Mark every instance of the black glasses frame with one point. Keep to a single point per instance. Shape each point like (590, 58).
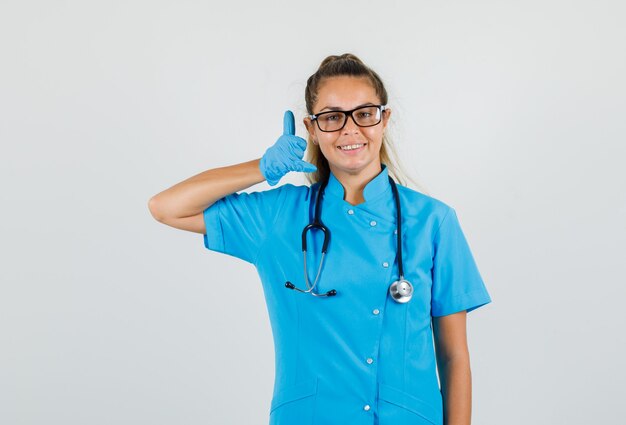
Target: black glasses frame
(347, 114)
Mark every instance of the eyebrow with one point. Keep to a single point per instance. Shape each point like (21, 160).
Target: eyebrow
(336, 108)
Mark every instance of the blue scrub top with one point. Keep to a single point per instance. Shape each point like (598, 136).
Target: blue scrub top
(358, 357)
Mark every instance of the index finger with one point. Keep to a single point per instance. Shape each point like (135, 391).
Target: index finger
(289, 125)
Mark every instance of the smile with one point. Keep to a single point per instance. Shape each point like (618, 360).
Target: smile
(351, 147)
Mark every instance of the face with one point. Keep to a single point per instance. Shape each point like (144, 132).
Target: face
(346, 93)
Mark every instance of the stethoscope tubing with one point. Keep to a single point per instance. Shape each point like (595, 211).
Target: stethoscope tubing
(400, 290)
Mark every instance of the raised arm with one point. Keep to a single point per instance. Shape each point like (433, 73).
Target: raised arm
(183, 204)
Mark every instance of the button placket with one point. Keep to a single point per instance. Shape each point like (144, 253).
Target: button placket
(371, 359)
(378, 227)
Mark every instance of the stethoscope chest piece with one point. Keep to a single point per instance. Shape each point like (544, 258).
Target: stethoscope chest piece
(401, 291)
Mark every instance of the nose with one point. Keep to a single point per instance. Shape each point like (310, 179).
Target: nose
(350, 125)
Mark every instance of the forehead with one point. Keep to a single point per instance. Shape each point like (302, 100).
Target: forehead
(345, 92)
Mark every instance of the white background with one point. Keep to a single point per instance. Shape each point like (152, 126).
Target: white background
(510, 112)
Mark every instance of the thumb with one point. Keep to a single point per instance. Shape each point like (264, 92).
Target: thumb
(289, 125)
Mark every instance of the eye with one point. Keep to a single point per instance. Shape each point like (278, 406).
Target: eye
(330, 117)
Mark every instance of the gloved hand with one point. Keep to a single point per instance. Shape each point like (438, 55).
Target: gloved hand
(286, 154)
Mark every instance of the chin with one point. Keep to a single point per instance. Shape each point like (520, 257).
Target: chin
(352, 167)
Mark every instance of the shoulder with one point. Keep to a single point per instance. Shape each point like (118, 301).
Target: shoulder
(424, 212)
(418, 204)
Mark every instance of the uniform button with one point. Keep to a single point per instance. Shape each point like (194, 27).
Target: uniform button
(395, 232)
(376, 311)
(366, 407)
(385, 264)
(372, 223)
(350, 212)
(370, 360)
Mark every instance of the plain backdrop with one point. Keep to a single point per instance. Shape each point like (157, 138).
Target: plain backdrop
(512, 112)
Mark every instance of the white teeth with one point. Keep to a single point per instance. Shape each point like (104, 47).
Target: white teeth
(350, 147)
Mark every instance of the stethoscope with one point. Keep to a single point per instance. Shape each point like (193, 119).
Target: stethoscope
(401, 290)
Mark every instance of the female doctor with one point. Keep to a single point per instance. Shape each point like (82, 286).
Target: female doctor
(354, 295)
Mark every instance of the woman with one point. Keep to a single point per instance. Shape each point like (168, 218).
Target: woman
(361, 350)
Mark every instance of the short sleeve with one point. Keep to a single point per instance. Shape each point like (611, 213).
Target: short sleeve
(457, 284)
(239, 223)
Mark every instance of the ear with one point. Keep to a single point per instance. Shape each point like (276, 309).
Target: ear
(386, 116)
(309, 126)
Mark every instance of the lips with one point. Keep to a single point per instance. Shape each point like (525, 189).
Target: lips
(353, 146)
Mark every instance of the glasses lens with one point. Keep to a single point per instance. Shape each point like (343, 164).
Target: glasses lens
(331, 121)
(367, 116)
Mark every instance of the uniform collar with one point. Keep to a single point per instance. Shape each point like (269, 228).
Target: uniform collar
(376, 187)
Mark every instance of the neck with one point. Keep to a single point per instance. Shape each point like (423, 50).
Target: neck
(353, 184)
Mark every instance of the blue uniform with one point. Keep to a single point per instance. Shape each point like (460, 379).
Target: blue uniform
(358, 357)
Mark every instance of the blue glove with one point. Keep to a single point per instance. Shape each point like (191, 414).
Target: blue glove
(286, 154)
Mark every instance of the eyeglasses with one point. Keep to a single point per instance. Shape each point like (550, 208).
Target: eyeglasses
(365, 116)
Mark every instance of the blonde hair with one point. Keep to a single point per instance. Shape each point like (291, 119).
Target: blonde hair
(350, 65)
